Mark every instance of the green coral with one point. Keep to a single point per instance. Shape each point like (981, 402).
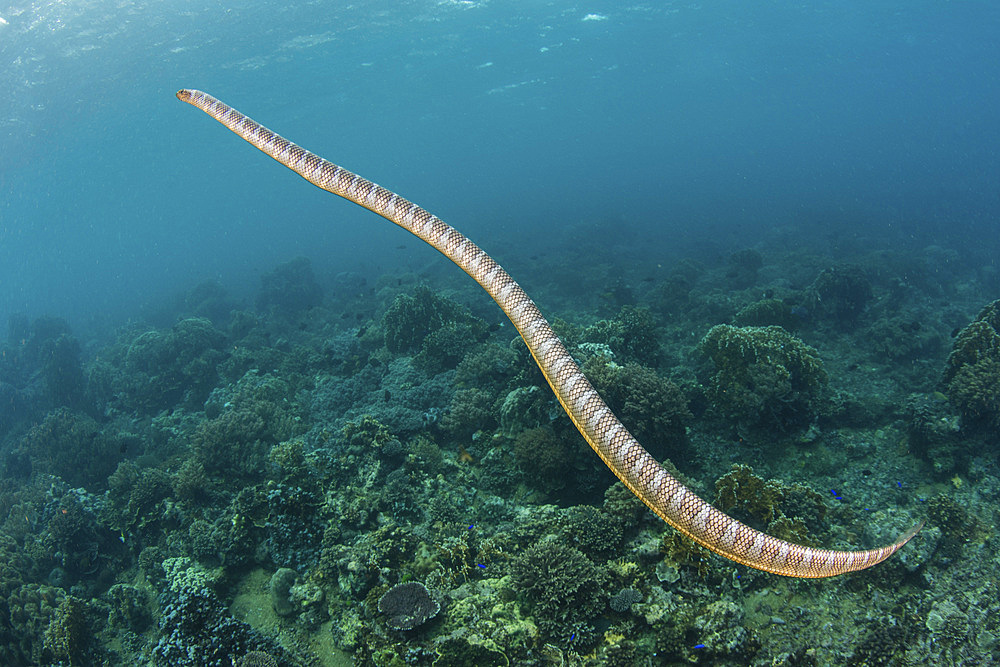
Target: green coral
(766, 312)
(66, 635)
(972, 373)
(564, 590)
(764, 377)
(135, 496)
(957, 524)
(786, 511)
(841, 293)
(631, 335)
(184, 575)
(258, 416)
(543, 458)
(31, 610)
(436, 327)
(129, 608)
(471, 411)
(654, 409)
(368, 434)
(71, 445)
(160, 370)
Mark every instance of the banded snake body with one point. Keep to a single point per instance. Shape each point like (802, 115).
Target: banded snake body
(630, 462)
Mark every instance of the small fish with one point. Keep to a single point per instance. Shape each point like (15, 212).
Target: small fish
(3, 21)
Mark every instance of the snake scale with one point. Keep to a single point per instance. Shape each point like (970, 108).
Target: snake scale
(634, 466)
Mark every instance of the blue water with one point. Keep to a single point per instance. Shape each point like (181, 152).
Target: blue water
(684, 123)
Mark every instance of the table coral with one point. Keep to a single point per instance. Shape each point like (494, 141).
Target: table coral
(407, 606)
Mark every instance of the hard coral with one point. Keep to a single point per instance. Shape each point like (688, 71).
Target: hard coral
(72, 446)
(841, 292)
(197, 631)
(542, 456)
(66, 635)
(653, 408)
(441, 329)
(764, 377)
(767, 312)
(408, 605)
(258, 416)
(291, 287)
(564, 590)
(972, 374)
(624, 599)
(787, 511)
(631, 335)
(160, 370)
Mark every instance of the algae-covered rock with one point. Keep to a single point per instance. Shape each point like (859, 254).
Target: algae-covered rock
(280, 589)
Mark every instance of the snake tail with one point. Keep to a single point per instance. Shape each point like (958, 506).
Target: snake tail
(627, 459)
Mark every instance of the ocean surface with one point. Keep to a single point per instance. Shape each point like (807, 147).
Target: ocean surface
(232, 404)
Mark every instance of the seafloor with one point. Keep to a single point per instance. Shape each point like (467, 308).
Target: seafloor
(231, 482)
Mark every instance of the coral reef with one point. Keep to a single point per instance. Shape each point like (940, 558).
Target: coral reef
(565, 591)
(440, 330)
(972, 373)
(213, 493)
(407, 606)
(654, 409)
(156, 370)
(767, 312)
(841, 293)
(289, 288)
(71, 445)
(763, 377)
(631, 336)
(788, 511)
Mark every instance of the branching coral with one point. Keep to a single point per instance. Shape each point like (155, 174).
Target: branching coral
(787, 511)
(258, 416)
(179, 365)
(71, 445)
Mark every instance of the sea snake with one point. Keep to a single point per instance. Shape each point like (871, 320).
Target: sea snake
(634, 466)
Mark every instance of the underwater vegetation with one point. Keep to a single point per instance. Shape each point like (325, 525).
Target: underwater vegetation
(270, 483)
